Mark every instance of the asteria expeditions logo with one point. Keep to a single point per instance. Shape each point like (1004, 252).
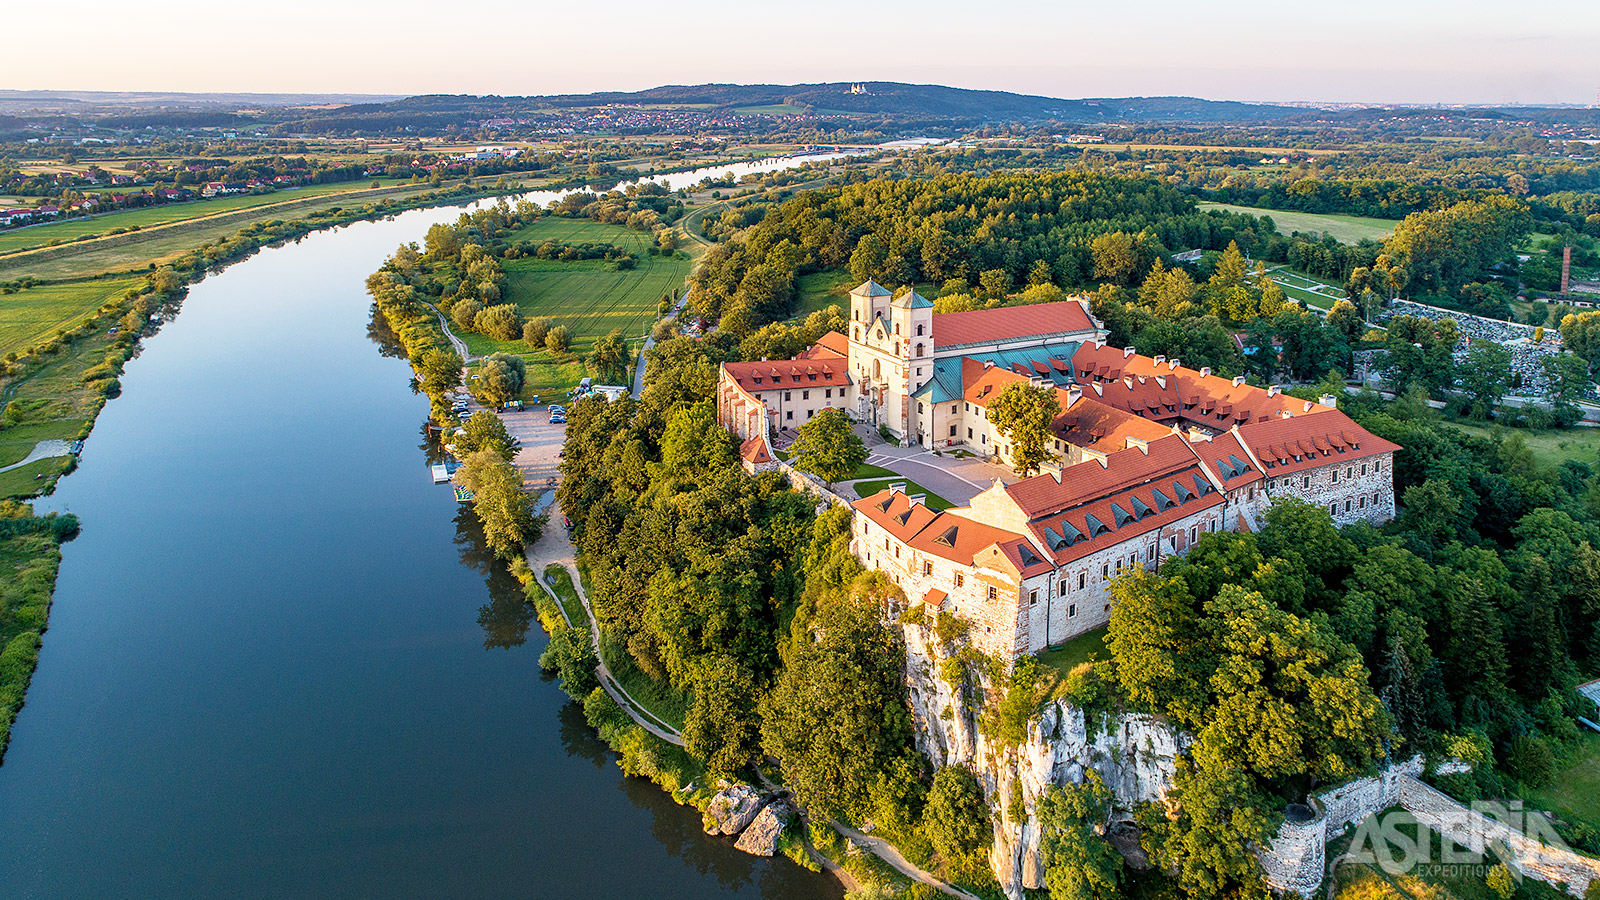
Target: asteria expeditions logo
(1471, 842)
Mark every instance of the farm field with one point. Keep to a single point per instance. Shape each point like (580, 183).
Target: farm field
(138, 249)
(590, 296)
(1348, 229)
(145, 217)
(32, 315)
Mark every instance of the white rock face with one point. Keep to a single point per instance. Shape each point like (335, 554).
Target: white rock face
(1133, 754)
(761, 838)
(733, 808)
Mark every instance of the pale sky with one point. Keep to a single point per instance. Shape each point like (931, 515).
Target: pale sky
(1380, 51)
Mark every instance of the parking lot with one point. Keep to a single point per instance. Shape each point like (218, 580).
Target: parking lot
(538, 459)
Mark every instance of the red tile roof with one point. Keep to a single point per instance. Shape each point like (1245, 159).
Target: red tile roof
(754, 451)
(942, 534)
(1008, 323)
(833, 342)
(1317, 439)
(788, 374)
(1099, 426)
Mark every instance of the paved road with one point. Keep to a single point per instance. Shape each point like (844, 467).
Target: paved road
(954, 478)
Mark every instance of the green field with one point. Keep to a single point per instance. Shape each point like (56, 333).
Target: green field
(1065, 658)
(1575, 792)
(591, 297)
(1348, 229)
(136, 250)
(1550, 446)
(820, 290)
(148, 216)
(30, 316)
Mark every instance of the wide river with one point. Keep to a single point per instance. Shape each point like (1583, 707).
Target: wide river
(280, 663)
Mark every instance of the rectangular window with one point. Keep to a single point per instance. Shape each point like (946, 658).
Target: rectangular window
(810, 413)
(1347, 506)
(1363, 501)
(1306, 482)
(960, 579)
(927, 568)
(1333, 508)
(983, 439)
(1194, 533)
(1063, 587)
(1072, 610)
(1349, 472)
(789, 415)
(953, 409)
(1105, 572)
(786, 396)
(1119, 567)
(1081, 579)
(827, 393)
(952, 431)
(993, 594)
(969, 434)
(1150, 552)
(1334, 476)
(897, 552)
(1033, 597)
(805, 395)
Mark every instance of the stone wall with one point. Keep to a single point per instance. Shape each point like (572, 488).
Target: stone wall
(1296, 861)
(1550, 864)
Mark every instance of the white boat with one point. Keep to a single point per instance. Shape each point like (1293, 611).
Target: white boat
(441, 473)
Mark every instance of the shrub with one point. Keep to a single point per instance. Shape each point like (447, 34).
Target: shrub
(559, 340)
(502, 322)
(466, 313)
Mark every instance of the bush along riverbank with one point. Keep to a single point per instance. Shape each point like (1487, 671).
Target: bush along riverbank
(30, 557)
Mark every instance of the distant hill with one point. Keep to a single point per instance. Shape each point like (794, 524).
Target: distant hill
(879, 99)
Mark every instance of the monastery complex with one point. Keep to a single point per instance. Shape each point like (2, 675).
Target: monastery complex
(1149, 455)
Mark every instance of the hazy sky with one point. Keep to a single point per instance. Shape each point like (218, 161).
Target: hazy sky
(1536, 51)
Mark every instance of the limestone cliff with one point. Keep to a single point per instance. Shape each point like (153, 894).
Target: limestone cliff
(1133, 754)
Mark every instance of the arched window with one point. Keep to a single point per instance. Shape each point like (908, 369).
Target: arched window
(897, 328)
(919, 329)
(857, 332)
(919, 349)
(857, 314)
(877, 370)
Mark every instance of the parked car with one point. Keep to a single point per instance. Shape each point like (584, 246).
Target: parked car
(558, 419)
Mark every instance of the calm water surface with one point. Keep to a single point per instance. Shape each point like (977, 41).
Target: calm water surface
(280, 663)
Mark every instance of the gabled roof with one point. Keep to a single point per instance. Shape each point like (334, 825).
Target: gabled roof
(1043, 495)
(1009, 323)
(822, 371)
(834, 342)
(942, 534)
(1310, 441)
(754, 451)
(1099, 426)
(981, 384)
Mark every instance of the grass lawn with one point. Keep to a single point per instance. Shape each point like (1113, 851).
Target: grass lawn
(148, 216)
(820, 290)
(934, 501)
(1348, 229)
(1550, 446)
(1575, 792)
(1302, 287)
(867, 470)
(1066, 657)
(33, 478)
(30, 316)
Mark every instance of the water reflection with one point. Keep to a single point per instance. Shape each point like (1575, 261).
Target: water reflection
(381, 333)
(505, 619)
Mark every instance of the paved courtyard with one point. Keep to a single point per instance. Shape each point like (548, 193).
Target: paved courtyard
(954, 478)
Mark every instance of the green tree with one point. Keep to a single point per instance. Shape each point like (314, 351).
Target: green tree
(838, 713)
(1116, 257)
(1485, 376)
(994, 282)
(465, 314)
(501, 322)
(484, 431)
(609, 355)
(721, 727)
(1023, 413)
(1078, 863)
(534, 331)
(558, 340)
(956, 819)
(1580, 333)
(571, 656)
(508, 521)
(828, 447)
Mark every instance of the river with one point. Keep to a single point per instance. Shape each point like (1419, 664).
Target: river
(280, 662)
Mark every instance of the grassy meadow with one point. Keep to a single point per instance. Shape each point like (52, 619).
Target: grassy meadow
(591, 297)
(30, 316)
(1550, 446)
(1348, 229)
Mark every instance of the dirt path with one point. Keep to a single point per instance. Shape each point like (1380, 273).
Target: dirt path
(554, 548)
(887, 852)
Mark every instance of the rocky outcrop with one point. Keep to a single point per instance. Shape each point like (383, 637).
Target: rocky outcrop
(761, 838)
(1133, 754)
(733, 808)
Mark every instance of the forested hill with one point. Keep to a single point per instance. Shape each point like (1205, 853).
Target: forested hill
(879, 99)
